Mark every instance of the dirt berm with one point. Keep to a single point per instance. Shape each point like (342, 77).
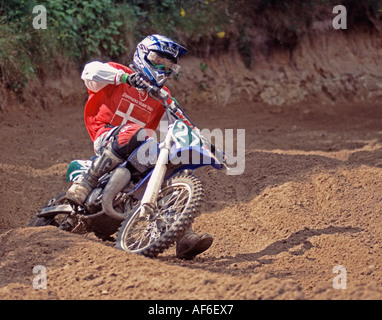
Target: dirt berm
(307, 203)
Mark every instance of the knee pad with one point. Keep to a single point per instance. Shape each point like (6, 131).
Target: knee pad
(127, 138)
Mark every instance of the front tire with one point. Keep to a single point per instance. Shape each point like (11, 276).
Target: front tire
(177, 205)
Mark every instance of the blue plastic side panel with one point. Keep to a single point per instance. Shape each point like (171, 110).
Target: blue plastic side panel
(194, 157)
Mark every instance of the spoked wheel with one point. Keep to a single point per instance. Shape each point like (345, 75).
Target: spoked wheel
(177, 205)
(63, 221)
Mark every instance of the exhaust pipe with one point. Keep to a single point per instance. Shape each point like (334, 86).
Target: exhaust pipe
(120, 178)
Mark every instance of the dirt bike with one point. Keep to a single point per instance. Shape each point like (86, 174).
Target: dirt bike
(151, 199)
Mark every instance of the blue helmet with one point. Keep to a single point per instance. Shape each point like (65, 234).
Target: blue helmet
(156, 58)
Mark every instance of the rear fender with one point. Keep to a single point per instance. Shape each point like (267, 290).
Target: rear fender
(50, 212)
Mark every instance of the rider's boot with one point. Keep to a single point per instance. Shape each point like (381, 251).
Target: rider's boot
(79, 191)
(192, 244)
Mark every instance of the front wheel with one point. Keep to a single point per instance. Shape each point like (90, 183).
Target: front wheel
(177, 205)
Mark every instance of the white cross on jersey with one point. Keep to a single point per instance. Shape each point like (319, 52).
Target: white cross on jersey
(126, 116)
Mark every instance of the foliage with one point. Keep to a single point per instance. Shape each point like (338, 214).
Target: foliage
(86, 28)
(90, 29)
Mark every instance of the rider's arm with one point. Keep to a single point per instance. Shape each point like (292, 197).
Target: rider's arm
(98, 75)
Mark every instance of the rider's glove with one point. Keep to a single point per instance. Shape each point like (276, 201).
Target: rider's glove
(134, 80)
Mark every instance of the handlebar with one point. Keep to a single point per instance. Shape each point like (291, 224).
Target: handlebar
(159, 92)
(164, 95)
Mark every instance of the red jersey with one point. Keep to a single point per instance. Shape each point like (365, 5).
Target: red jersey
(115, 105)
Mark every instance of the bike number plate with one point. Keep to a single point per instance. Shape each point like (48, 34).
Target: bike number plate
(184, 136)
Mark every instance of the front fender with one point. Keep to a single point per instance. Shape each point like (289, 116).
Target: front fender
(189, 158)
(194, 157)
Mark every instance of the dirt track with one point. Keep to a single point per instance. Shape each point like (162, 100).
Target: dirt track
(308, 200)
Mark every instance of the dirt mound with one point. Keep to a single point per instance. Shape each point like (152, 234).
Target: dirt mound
(74, 262)
(308, 201)
(327, 68)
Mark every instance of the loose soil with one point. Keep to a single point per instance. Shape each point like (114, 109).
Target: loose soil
(308, 200)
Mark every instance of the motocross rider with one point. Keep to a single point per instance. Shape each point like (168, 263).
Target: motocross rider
(118, 109)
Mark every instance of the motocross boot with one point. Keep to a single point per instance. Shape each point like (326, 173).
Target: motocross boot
(79, 191)
(192, 244)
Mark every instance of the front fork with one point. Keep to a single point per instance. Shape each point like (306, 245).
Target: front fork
(148, 202)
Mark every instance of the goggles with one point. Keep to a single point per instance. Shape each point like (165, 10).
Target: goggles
(159, 62)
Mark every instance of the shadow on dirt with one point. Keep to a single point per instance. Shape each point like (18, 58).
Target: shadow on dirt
(296, 244)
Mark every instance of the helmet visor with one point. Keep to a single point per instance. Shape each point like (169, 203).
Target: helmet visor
(163, 63)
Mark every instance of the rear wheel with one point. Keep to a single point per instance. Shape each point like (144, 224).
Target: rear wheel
(177, 205)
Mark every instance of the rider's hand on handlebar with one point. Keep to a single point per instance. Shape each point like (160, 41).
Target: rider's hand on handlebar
(137, 81)
(134, 80)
